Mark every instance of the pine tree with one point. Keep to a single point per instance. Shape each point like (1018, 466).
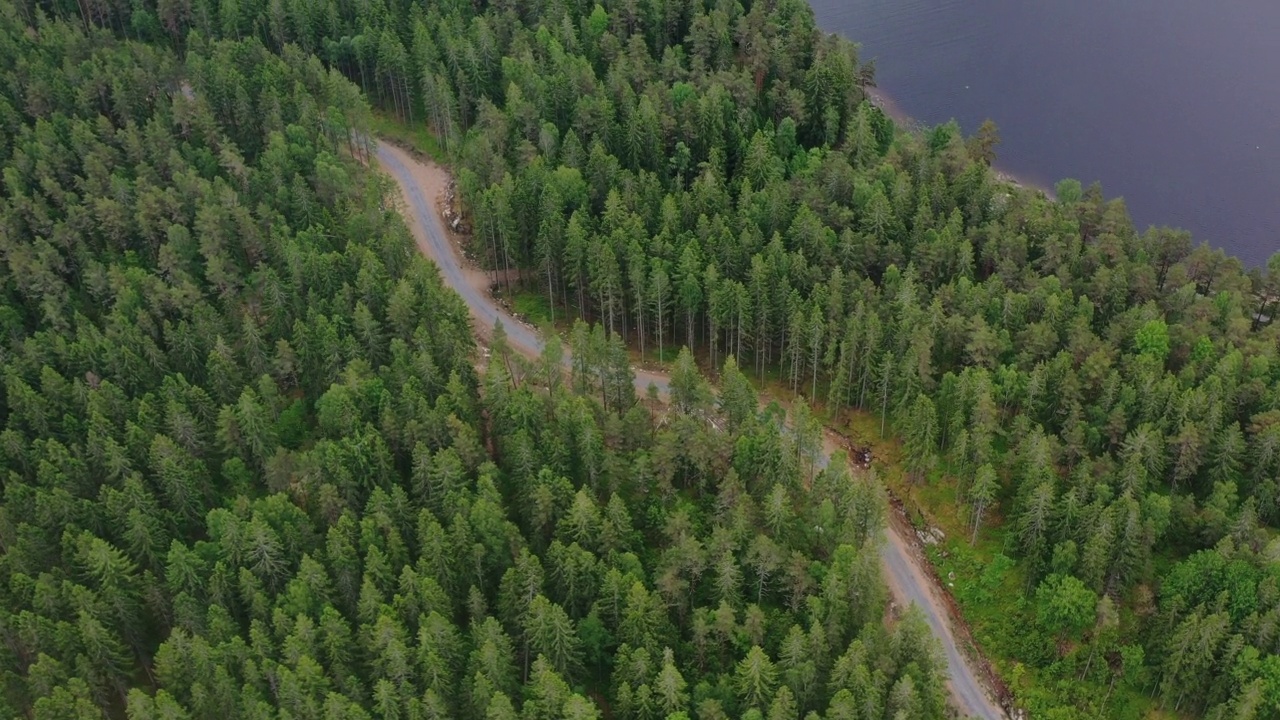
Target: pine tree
(689, 391)
(981, 495)
(737, 398)
(670, 686)
(659, 299)
(637, 278)
(755, 679)
(552, 636)
(920, 436)
(545, 694)
(884, 375)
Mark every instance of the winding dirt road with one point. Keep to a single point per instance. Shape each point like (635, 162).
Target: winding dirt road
(422, 185)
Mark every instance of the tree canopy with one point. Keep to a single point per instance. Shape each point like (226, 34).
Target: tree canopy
(250, 469)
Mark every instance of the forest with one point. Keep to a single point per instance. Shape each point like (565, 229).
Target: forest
(251, 468)
(711, 175)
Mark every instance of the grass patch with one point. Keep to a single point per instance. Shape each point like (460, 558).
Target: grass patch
(416, 135)
(668, 355)
(532, 307)
(990, 589)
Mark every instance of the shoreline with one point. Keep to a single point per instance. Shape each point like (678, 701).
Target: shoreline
(890, 107)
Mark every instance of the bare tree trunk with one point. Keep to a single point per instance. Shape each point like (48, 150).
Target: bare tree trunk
(1092, 651)
(759, 368)
(551, 298)
(625, 327)
(84, 14)
(813, 393)
(408, 97)
(862, 390)
(660, 338)
(493, 247)
(712, 340)
(737, 352)
(849, 380)
(506, 267)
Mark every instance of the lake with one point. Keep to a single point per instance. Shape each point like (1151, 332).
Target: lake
(1172, 104)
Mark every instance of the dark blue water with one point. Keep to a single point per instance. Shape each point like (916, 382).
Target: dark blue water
(1172, 104)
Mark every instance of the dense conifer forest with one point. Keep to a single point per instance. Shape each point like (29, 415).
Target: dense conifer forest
(251, 469)
(251, 472)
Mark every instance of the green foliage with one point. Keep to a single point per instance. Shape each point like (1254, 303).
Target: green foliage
(1153, 339)
(209, 316)
(1065, 605)
(419, 138)
(920, 433)
(689, 391)
(250, 471)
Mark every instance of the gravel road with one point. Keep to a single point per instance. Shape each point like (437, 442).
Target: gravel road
(422, 185)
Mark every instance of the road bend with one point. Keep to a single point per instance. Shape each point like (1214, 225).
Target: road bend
(420, 185)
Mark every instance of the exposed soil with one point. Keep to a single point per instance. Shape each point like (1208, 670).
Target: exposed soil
(433, 181)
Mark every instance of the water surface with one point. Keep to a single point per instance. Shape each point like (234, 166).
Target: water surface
(1172, 104)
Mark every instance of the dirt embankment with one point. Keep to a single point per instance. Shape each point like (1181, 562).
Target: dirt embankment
(907, 532)
(433, 183)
